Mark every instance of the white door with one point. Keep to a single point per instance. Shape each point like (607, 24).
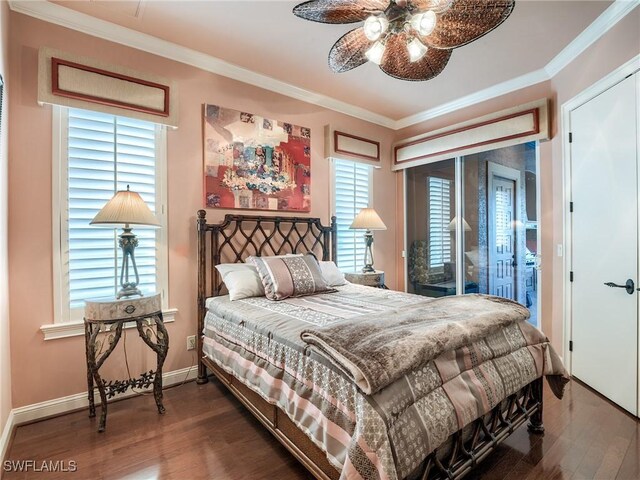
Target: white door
(504, 183)
(502, 256)
(604, 185)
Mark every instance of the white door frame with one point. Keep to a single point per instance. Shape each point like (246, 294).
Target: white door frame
(539, 253)
(405, 247)
(591, 92)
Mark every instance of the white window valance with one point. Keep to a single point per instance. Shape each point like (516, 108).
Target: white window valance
(347, 146)
(80, 82)
(521, 124)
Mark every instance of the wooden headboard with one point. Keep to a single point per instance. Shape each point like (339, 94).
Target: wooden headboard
(239, 236)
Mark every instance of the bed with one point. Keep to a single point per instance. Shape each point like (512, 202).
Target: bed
(406, 428)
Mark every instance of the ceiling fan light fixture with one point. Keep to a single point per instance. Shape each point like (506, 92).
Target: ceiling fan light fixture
(375, 53)
(416, 50)
(375, 26)
(424, 23)
(408, 39)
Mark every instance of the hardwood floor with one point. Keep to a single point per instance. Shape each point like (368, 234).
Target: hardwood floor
(207, 434)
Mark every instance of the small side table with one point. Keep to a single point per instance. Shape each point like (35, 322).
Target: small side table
(373, 279)
(108, 317)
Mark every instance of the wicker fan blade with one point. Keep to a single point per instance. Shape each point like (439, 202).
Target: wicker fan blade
(437, 6)
(339, 11)
(466, 21)
(348, 52)
(396, 63)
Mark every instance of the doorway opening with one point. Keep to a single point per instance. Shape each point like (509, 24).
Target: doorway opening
(472, 226)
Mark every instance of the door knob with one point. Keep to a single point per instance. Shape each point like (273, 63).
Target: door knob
(629, 286)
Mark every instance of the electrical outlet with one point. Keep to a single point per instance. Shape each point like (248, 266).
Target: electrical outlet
(191, 342)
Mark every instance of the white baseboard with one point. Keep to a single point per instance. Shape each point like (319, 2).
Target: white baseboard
(6, 435)
(58, 406)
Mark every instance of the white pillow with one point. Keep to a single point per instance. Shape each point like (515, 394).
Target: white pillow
(332, 275)
(242, 280)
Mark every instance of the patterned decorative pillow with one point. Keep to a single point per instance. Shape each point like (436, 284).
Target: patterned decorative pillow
(290, 276)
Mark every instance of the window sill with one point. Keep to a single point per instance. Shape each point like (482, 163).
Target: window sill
(54, 331)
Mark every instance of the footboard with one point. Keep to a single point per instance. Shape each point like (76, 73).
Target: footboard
(466, 448)
(453, 460)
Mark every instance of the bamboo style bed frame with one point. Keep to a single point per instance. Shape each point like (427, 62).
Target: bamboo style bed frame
(239, 236)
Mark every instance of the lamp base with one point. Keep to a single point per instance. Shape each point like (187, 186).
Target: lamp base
(128, 291)
(368, 253)
(128, 242)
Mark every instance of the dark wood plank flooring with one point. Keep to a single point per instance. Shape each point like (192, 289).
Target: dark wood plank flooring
(207, 434)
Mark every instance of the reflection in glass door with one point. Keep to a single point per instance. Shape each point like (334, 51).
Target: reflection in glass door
(496, 222)
(431, 233)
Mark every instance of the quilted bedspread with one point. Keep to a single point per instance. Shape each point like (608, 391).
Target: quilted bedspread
(387, 434)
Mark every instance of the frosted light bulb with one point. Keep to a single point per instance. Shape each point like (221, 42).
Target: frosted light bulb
(416, 50)
(375, 26)
(375, 53)
(424, 23)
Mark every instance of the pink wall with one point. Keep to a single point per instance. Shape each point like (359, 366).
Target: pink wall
(5, 358)
(615, 48)
(45, 370)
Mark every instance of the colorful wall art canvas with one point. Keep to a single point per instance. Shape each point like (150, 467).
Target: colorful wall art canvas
(252, 162)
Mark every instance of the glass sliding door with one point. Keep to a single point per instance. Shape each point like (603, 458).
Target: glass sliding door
(490, 241)
(431, 233)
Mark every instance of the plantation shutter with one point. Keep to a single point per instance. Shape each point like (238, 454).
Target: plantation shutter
(439, 218)
(106, 153)
(352, 193)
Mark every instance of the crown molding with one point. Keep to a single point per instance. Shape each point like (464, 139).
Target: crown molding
(81, 22)
(601, 25)
(65, 17)
(480, 96)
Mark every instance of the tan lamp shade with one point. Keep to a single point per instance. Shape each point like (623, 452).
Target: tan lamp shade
(465, 225)
(128, 208)
(368, 219)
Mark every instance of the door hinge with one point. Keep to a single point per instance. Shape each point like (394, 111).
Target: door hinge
(570, 137)
(571, 207)
(571, 276)
(571, 345)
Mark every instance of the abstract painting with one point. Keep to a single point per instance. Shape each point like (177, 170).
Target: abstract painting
(252, 162)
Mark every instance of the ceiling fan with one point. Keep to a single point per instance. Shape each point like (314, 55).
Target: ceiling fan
(408, 39)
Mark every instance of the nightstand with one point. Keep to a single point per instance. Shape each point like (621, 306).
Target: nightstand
(107, 318)
(373, 279)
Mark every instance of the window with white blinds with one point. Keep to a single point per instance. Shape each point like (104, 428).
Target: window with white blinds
(439, 218)
(352, 192)
(101, 154)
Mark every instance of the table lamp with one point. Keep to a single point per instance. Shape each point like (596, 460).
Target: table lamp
(126, 208)
(369, 220)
